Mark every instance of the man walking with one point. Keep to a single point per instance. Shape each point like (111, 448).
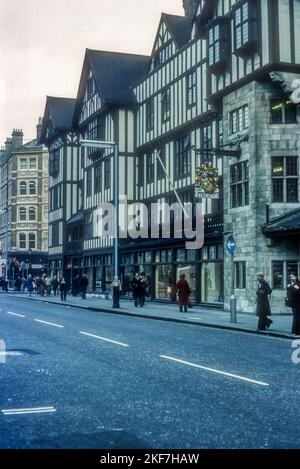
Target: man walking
(263, 309)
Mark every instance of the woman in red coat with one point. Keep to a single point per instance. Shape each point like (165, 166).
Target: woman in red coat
(183, 291)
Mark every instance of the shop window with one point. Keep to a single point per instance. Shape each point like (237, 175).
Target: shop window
(285, 179)
(239, 184)
(240, 275)
(281, 270)
(283, 111)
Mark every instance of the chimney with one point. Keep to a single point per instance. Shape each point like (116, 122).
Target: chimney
(16, 139)
(190, 7)
(7, 144)
(39, 130)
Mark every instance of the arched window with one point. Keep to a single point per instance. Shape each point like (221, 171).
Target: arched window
(22, 241)
(32, 188)
(31, 240)
(23, 188)
(22, 214)
(32, 214)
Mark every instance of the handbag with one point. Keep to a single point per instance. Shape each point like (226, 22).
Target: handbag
(288, 302)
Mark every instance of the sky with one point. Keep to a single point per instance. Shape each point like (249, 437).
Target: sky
(42, 46)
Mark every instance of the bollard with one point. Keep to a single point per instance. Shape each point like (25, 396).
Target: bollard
(233, 309)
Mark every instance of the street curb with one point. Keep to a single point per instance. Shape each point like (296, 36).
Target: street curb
(278, 335)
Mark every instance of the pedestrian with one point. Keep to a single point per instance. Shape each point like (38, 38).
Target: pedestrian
(263, 309)
(142, 289)
(48, 283)
(18, 284)
(183, 291)
(135, 285)
(55, 285)
(76, 285)
(293, 296)
(83, 286)
(29, 284)
(63, 289)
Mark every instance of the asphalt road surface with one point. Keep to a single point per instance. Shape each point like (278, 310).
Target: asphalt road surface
(82, 379)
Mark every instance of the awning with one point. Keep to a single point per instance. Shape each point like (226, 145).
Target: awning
(289, 223)
(77, 218)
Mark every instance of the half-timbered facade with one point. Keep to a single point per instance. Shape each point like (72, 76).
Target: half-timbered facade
(65, 185)
(105, 111)
(214, 93)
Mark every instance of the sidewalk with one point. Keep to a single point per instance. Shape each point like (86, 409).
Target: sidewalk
(200, 316)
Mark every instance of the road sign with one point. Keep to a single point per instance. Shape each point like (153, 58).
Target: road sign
(230, 245)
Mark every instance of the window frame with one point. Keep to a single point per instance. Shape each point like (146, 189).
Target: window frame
(285, 178)
(239, 186)
(239, 119)
(22, 241)
(182, 157)
(283, 120)
(191, 89)
(22, 214)
(150, 114)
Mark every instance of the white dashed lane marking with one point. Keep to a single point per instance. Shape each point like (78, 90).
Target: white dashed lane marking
(212, 370)
(103, 338)
(49, 323)
(16, 314)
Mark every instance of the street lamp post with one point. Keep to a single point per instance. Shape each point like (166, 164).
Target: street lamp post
(115, 147)
(2, 212)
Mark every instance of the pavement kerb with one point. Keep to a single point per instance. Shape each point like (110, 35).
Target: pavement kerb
(279, 335)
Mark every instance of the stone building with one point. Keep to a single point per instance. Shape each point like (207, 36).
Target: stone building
(24, 205)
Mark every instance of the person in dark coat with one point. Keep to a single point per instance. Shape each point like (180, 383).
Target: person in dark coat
(29, 284)
(55, 285)
(135, 285)
(18, 284)
(293, 294)
(142, 289)
(83, 286)
(63, 289)
(183, 291)
(263, 309)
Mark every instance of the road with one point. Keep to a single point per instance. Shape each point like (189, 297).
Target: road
(83, 379)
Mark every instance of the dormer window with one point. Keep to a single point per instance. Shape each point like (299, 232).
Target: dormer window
(218, 46)
(246, 28)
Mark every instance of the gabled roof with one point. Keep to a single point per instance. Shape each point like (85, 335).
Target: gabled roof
(287, 223)
(180, 28)
(115, 74)
(61, 111)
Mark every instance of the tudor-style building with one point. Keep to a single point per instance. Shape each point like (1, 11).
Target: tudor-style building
(65, 186)
(214, 92)
(105, 111)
